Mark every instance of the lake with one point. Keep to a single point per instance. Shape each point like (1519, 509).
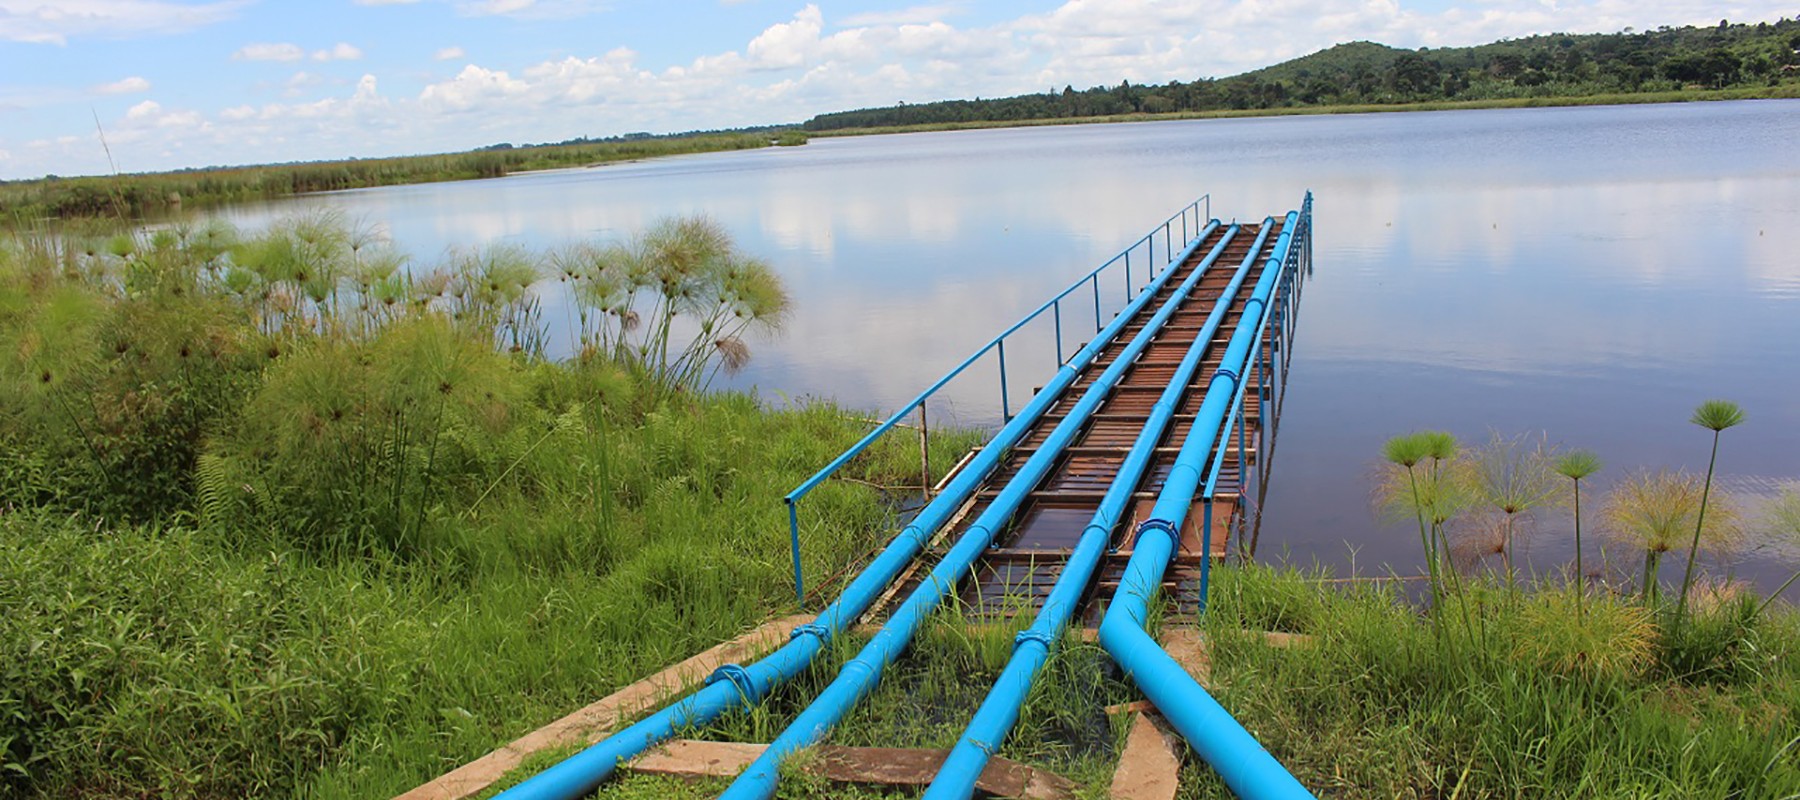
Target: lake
(1584, 274)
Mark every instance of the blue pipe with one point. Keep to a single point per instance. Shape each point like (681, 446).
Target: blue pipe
(1000, 710)
(1209, 729)
(736, 686)
(860, 675)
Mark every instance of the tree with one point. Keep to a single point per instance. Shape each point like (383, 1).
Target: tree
(1413, 74)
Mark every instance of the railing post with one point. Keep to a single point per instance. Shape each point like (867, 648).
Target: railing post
(794, 543)
(1128, 276)
(1005, 405)
(1263, 374)
(1056, 313)
(1243, 458)
(1097, 325)
(924, 455)
(1206, 523)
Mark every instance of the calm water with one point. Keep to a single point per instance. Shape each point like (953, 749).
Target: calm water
(1587, 273)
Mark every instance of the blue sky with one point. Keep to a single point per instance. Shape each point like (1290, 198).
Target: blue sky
(183, 83)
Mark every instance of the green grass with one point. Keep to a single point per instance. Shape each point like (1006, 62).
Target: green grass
(1538, 704)
(1379, 704)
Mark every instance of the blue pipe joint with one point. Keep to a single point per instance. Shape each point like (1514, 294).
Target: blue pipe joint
(1034, 635)
(1154, 524)
(740, 680)
(813, 629)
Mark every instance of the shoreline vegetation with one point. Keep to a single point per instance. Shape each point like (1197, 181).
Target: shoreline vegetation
(1663, 65)
(1782, 92)
(161, 194)
(270, 506)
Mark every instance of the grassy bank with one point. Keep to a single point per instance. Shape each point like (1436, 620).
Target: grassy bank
(1784, 91)
(1377, 702)
(277, 520)
(151, 194)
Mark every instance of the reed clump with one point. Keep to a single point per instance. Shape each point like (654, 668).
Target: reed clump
(282, 515)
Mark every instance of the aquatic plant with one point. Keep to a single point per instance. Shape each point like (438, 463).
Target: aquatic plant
(681, 277)
(1784, 522)
(1432, 497)
(1514, 476)
(1653, 511)
(1575, 465)
(1406, 451)
(1715, 416)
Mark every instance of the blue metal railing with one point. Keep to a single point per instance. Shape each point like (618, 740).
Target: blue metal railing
(1190, 220)
(1268, 372)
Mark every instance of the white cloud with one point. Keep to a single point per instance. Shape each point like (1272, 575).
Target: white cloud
(46, 22)
(269, 51)
(474, 85)
(450, 53)
(299, 82)
(145, 110)
(131, 85)
(342, 51)
(788, 44)
(916, 15)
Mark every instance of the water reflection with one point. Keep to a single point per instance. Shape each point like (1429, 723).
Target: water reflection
(1591, 272)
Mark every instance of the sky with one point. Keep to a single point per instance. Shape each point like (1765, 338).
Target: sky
(190, 83)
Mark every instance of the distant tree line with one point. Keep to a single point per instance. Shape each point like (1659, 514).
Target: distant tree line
(134, 196)
(1361, 73)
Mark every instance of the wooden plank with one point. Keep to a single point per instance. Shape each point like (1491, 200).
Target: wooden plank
(1188, 648)
(594, 722)
(687, 758)
(1150, 766)
(880, 766)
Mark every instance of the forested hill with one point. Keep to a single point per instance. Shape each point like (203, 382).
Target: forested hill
(1359, 73)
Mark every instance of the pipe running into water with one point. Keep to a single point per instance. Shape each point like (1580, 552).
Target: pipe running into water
(857, 677)
(999, 712)
(738, 686)
(1209, 729)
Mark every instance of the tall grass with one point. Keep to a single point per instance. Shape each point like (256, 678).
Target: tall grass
(264, 532)
(1370, 701)
(1549, 705)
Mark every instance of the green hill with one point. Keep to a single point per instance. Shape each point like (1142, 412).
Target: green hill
(1726, 56)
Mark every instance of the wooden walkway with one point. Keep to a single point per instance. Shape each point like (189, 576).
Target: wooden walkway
(1018, 573)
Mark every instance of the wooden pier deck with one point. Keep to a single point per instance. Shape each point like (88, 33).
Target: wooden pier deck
(1029, 555)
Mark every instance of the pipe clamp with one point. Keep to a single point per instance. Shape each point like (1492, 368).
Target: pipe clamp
(813, 629)
(740, 680)
(1033, 635)
(1154, 524)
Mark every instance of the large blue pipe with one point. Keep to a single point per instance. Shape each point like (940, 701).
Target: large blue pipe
(1209, 729)
(860, 675)
(1000, 710)
(735, 686)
